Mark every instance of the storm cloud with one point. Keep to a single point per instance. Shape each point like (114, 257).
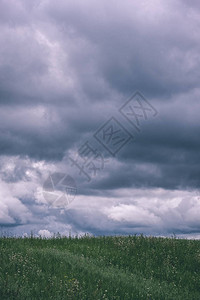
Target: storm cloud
(66, 68)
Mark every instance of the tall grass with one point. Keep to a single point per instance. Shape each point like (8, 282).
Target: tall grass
(133, 267)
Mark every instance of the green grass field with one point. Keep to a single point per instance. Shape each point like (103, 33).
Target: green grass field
(134, 267)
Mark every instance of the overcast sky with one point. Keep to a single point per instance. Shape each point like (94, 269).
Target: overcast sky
(120, 77)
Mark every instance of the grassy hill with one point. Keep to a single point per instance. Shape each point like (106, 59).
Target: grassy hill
(133, 267)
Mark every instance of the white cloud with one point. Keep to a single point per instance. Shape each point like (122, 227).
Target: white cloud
(45, 233)
(12, 210)
(137, 216)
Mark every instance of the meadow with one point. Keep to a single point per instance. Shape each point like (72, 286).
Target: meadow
(113, 267)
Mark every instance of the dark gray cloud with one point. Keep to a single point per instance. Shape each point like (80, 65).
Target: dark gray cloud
(65, 69)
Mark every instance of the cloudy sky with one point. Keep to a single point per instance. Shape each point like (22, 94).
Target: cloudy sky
(103, 97)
